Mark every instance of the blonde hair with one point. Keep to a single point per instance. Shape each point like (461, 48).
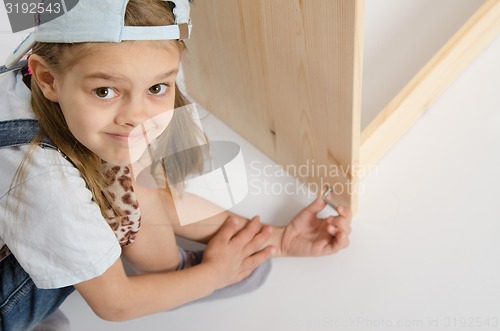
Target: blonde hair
(60, 57)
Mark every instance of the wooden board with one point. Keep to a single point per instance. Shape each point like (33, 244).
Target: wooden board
(286, 75)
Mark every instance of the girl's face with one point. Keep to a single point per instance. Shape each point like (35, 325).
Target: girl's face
(120, 97)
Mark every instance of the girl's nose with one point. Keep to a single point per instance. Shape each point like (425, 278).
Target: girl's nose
(133, 112)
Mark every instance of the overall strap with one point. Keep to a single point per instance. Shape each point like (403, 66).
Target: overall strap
(21, 132)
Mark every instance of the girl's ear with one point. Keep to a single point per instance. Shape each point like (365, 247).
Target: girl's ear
(43, 76)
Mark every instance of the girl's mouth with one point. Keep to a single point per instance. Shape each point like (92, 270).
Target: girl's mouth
(132, 137)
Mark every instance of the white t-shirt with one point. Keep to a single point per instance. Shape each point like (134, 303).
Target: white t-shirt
(49, 222)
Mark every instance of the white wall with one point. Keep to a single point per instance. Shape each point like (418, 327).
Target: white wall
(400, 37)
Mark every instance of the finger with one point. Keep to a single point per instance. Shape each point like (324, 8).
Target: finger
(331, 245)
(345, 212)
(245, 235)
(340, 241)
(228, 229)
(332, 230)
(341, 223)
(345, 226)
(316, 206)
(259, 241)
(253, 261)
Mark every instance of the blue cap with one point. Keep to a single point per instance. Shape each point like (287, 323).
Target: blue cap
(101, 21)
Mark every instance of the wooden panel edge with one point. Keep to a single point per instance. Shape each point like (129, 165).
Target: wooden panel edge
(357, 99)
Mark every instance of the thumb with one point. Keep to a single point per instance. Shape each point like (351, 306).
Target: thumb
(317, 205)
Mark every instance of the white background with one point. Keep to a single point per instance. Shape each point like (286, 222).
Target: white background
(423, 247)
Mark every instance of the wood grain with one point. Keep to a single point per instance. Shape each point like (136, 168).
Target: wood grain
(286, 75)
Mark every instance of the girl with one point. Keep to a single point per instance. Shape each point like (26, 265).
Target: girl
(71, 205)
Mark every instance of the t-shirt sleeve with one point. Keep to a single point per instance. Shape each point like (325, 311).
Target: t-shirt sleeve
(53, 226)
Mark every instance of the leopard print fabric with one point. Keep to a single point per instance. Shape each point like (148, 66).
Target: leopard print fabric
(120, 189)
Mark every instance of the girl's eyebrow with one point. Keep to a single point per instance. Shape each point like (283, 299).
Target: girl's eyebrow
(103, 76)
(116, 78)
(167, 74)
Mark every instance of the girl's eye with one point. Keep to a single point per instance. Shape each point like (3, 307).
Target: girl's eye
(104, 93)
(158, 89)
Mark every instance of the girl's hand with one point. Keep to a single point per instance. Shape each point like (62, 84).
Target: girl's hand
(235, 253)
(308, 235)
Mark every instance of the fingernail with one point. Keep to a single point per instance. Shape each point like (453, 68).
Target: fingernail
(332, 230)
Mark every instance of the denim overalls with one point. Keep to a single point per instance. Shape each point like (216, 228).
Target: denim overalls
(22, 304)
